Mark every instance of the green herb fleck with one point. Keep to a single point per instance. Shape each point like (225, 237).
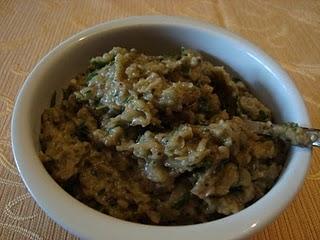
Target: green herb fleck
(66, 93)
(185, 69)
(53, 99)
(128, 99)
(84, 94)
(236, 79)
(91, 75)
(101, 192)
(98, 62)
(207, 163)
(203, 105)
(100, 107)
(182, 201)
(183, 51)
(82, 132)
(263, 116)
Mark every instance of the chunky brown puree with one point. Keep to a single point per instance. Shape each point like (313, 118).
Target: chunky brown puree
(159, 139)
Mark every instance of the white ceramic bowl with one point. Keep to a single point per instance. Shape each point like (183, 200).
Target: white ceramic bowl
(154, 34)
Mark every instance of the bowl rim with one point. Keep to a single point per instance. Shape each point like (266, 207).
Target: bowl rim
(59, 208)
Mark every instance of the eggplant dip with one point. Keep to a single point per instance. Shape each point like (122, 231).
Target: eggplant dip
(160, 140)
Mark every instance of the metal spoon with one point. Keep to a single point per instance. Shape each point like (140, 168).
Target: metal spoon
(290, 132)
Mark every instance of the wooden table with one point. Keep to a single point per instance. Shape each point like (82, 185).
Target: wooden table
(287, 30)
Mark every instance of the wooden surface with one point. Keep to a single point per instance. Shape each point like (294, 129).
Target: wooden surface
(288, 30)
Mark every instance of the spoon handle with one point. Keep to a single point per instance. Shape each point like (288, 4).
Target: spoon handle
(290, 132)
(314, 135)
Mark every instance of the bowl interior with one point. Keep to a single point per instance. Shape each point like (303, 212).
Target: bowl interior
(155, 36)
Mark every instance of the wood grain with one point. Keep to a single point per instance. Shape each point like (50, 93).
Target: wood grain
(287, 30)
